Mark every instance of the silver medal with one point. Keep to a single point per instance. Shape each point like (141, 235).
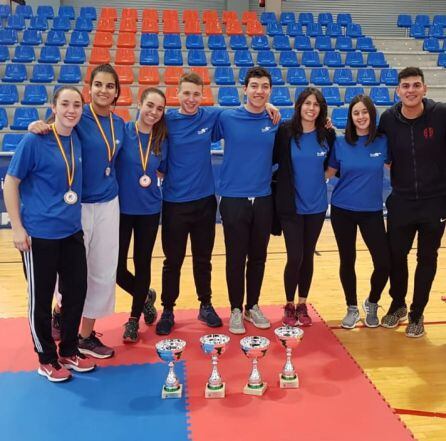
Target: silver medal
(70, 197)
(144, 181)
(107, 171)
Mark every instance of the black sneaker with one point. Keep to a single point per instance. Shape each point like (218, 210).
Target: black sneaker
(131, 334)
(94, 347)
(149, 310)
(393, 319)
(415, 328)
(55, 325)
(208, 315)
(165, 323)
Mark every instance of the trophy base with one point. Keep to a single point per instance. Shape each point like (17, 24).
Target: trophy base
(172, 394)
(259, 391)
(215, 393)
(292, 383)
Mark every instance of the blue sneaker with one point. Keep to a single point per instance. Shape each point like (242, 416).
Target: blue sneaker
(208, 315)
(165, 323)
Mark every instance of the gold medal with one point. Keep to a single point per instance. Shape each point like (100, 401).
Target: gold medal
(144, 180)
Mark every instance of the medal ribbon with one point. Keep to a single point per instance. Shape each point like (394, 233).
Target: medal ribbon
(144, 156)
(110, 152)
(70, 170)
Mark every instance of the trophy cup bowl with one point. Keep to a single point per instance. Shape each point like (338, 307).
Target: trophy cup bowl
(290, 338)
(214, 345)
(170, 351)
(254, 347)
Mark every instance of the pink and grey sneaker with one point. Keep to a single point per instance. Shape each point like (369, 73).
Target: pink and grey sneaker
(289, 315)
(54, 372)
(303, 319)
(94, 347)
(78, 362)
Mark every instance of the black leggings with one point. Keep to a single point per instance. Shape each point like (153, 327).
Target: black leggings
(144, 229)
(301, 232)
(371, 225)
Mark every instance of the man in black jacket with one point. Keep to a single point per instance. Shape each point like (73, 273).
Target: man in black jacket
(416, 132)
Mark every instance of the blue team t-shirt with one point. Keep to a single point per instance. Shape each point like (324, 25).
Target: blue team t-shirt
(189, 175)
(40, 166)
(97, 187)
(133, 198)
(309, 175)
(360, 185)
(247, 161)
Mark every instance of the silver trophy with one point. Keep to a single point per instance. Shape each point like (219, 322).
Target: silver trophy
(170, 351)
(214, 345)
(290, 338)
(254, 348)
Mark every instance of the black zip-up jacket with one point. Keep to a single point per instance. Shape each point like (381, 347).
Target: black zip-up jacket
(417, 150)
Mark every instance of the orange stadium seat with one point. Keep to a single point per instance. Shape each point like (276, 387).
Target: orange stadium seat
(213, 28)
(125, 97)
(109, 13)
(254, 27)
(249, 16)
(148, 75)
(100, 55)
(171, 27)
(106, 25)
(190, 15)
(172, 74)
(125, 55)
(210, 15)
(86, 93)
(192, 27)
(125, 74)
(127, 25)
(234, 27)
(204, 74)
(171, 96)
(228, 16)
(88, 74)
(141, 90)
(170, 15)
(103, 39)
(129, 13)
(149, 26)
(208, 98)
(127, 39)
(123, 112)
(150, 14)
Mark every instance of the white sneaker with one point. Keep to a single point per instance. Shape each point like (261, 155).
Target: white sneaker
(256, 317)
(236, 325)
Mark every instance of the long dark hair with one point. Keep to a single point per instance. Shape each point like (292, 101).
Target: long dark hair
(159, 129)
(56, 94)
(295, 124)
(107, 68)
(351, 136)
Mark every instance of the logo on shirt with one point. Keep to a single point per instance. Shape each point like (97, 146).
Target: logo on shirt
(428, 133)
(375, 155)
(266, 129)
(202, 131)
(320, 154)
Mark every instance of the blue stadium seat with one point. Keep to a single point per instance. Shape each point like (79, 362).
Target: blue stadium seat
(339, 117)
(61, 24)
(242, 74)
(149, 57)
(266, 17)
(365, 44)
(332, 95)
(432, 44)
(302, 43)
(79, 38)
(4, 54)
(216, 42)
(243, 58)
(354, 30)
(220, 57)
(286, 113)
(42, 73)
(45, 11)
(38, 23)
(377, 59)
(296, 76)
(334, 30)
(5, 10)
(172, 57)
(344, 19)
(196, 57)
(288, 59)
(35, 94)
(194, 41)
(287, 17)
(436, 31)
(314, 30)
(355, 59)
(323, 43)
(367, 77)
(276, 76)
(50, 54)
(55, 38)
(439, 20)
(298, 91)
(404, 21)
(10, 141)
(294, 29)
(228, 96)
(83, 24)
(333, 59)
(423, 20)
(67, 11)
(75, 55)
(311, 59)
(69, 74)
(442, 59)
(24, 54)
(380, 96)
(389, 77)
(259, 42)
(305, 18)
(266, 59)
(8, 37)
(16, 22)
(8, 94)
(351, 92)
(32, 37)
(172, 41)
(320, 77)
(325, 18)
(224, 76)
(15, 73)
(344, 43)
(343, 77)
(281, 43)
(26, 11)
(149, 41)
(238, 42)
(280, 96)
(417, 31)
(23, 116)
(396, 98)
(88, 12)
(274, 28)
(3, 118)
